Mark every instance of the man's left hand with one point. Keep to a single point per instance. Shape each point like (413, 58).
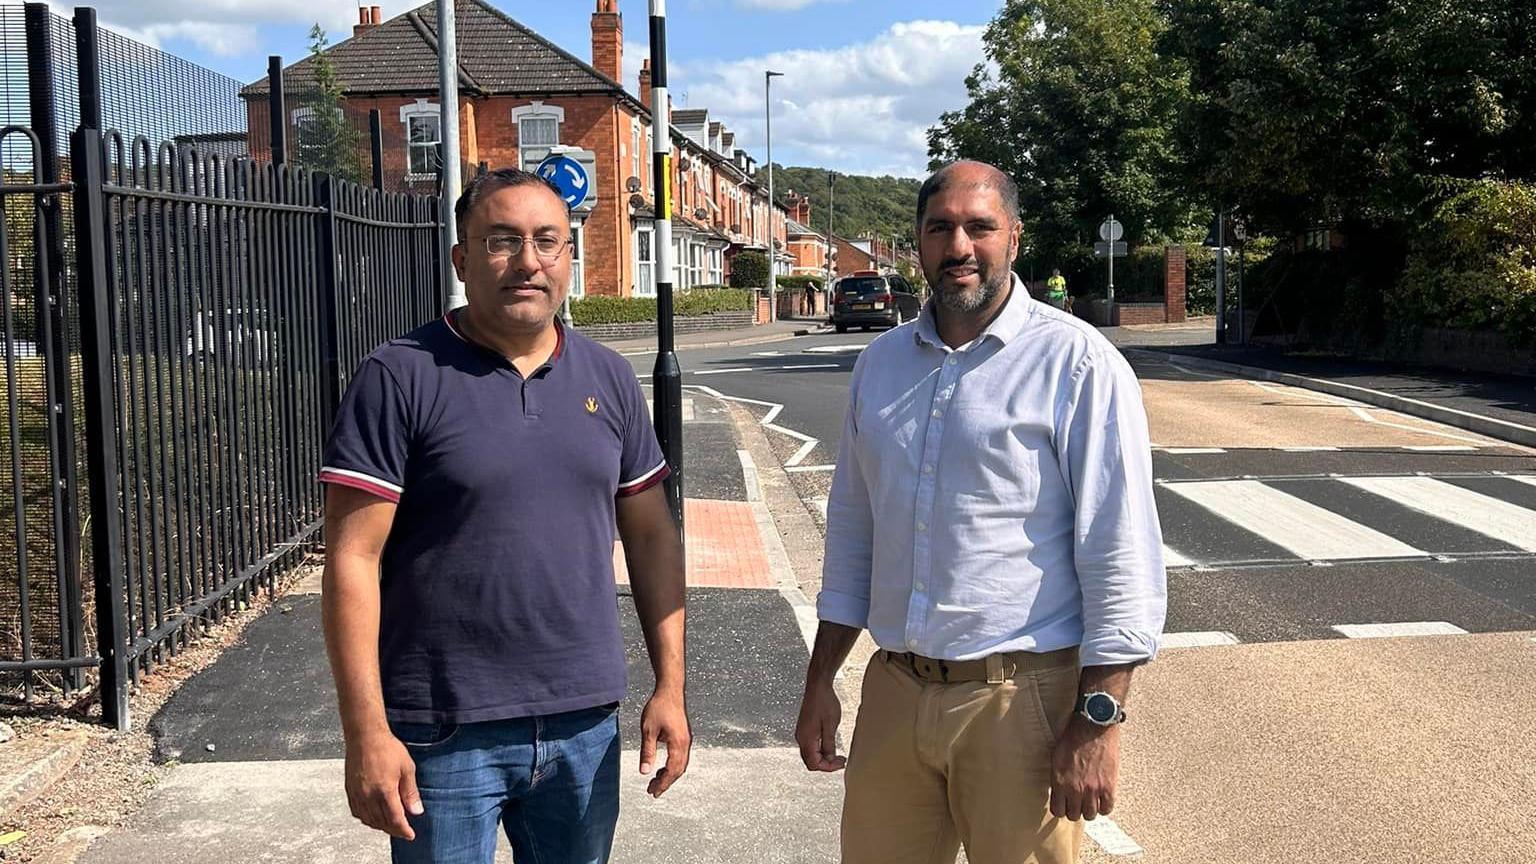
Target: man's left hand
(1084, 769)
(664, 721)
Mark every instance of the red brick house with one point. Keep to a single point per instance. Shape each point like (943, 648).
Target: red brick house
(520, 96)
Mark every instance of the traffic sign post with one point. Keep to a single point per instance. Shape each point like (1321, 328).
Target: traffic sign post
(571, 177)
(1111, 232)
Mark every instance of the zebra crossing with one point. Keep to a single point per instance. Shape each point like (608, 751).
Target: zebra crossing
(1245, 522)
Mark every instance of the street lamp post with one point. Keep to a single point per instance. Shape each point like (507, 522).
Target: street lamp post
(773, 263)
(448, 82)
(831, 244)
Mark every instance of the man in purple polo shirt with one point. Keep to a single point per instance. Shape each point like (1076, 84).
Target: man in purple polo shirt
(475, 475)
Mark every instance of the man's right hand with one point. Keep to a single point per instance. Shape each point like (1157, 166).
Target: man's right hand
(816, 731)
(381, 784)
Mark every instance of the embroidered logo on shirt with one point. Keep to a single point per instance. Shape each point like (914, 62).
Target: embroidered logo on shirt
(591, 404)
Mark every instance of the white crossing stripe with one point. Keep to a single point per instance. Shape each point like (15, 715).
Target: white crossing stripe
(1484, 514)
(1440, 448)
(1174, 558)
(1300, 527)
(1193, 451)
(1526, 479)
(1198, 639)
(1310, 449)
(1110, 838)
(1404, 628)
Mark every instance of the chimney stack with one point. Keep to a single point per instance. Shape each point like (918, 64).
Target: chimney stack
(608, 39)
(645, 82)
(368, 17)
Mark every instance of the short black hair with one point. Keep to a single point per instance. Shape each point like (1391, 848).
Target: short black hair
(494, 181)
(997, 179)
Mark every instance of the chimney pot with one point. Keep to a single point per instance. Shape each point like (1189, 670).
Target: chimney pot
(362, 14)
(376, 14)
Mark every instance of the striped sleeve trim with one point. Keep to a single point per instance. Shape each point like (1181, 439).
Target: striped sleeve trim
(358, 480)
(645, 481)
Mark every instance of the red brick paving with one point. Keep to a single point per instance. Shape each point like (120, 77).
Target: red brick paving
(723, 545)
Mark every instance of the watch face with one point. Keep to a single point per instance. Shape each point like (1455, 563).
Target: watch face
(1101, 708)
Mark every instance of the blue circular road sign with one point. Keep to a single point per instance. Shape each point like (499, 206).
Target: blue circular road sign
(568, 176)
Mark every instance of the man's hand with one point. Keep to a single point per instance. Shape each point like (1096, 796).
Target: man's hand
(664, 721)
(381, 784)
(816, 730)
(1084, 769)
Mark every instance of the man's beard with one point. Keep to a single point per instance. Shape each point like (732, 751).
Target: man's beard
(966, 301)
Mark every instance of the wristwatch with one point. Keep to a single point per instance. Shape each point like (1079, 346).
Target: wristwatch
(1100, 708)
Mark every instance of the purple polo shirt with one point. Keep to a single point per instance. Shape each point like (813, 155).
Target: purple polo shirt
(496, 583)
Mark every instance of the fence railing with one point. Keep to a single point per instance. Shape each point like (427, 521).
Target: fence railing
(196, 354)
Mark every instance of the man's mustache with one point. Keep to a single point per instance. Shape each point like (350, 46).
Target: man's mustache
(959, 262)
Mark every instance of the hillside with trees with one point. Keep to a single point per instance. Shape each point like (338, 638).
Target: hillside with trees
(862, 205)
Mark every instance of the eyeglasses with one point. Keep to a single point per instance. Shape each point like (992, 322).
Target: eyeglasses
(547, 247)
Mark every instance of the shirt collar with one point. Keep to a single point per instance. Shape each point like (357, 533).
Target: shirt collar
(451, 318)
(1005, 327)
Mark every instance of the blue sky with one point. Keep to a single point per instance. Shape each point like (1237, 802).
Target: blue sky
(865, 78)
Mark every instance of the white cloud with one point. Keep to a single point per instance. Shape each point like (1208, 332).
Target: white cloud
(863, 108)
(782, 5)
(225, 40)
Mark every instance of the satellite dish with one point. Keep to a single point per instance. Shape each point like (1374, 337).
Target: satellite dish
(700, 213)
(684, 164)
(637, 201)
(632, 184)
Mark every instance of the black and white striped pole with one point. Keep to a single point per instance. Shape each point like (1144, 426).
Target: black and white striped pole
(668, 376)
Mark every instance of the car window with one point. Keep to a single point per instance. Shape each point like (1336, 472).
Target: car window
(860, 286)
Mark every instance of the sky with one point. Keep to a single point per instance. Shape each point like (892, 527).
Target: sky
(864, 79)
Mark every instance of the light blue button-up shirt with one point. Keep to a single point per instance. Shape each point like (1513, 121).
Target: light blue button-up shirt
(996, 497)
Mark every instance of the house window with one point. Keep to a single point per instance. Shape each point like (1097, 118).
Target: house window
(716, 266)
(635, 159)
(645, 261)
(578, 244)
(423, 139)
(538, 130)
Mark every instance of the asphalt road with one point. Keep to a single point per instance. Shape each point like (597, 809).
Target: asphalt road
(1287, 515)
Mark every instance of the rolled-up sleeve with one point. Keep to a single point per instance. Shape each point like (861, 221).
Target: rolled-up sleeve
(849, 554)
(1106, 454)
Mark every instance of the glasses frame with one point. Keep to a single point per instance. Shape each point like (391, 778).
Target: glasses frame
(523, 240)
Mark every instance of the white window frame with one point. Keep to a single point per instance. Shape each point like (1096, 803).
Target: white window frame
(645, 271)
(635, 160)
(421, 108)
(535, 111)
(578, 258)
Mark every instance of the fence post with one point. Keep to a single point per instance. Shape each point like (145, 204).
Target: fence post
(276, 110)
(325, 266)
(376, 141)
(96, 325)
(51, 301)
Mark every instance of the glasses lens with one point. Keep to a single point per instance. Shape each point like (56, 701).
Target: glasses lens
(548, 246)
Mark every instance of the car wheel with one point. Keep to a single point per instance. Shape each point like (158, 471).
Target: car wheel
(841, 328)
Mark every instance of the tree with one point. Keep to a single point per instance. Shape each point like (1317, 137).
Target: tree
(326, 141)
(749, 270)
(1081, 111)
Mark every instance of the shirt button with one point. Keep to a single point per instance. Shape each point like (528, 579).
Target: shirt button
(921, 586)
(937, 413)
(912, 643)
(927, 469)
(922, 526)
(953, 360)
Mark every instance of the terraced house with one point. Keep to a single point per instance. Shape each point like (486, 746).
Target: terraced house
(521, 98)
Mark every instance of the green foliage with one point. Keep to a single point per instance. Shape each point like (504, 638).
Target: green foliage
(862, 206)
(749, 270)
(325, 140)
(796, 284)
(1081, 112)
(598, 309)
(1472, 264)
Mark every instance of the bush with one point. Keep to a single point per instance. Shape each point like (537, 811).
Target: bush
(796, 284)
(749, 270)
(587, 311)
(1472, 263)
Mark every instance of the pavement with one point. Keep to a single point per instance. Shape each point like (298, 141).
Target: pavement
(1347, 674)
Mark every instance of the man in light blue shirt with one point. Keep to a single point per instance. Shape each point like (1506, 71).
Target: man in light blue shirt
(992, 524)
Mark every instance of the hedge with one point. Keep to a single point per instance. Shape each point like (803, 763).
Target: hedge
(586, 311)
(749, 270)
(796, 284)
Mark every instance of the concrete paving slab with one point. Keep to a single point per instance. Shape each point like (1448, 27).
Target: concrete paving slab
(1373, 751)
(755, 806)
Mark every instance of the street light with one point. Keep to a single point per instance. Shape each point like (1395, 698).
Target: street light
(773, 264)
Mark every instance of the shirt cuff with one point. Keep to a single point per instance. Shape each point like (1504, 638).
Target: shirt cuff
(845, 609)
(1118, 647)
(360, 480)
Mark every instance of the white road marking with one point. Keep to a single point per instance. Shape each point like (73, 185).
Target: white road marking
(1310, 449)
(814, 366)
(811, 469)
(1404, 628)
(1173, 558)
(724, 371)
(1198, 639)
(1527, 479)
(1306, 530)
(1422, 430)
(1192, 451)
(1484, 514)
(769, 354)
(749, 475)
(808, 443)
(821, 507)
(1110, 837)
(835, 349)
(1440, 448)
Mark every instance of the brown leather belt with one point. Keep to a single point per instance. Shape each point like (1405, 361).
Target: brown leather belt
(994, 668)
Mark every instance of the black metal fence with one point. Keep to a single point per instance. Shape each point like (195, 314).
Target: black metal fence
(221, 303)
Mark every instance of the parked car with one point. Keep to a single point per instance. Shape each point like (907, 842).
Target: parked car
(867, 299)
(249, 335)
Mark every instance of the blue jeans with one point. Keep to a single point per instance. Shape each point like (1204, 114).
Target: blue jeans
(552, 782)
